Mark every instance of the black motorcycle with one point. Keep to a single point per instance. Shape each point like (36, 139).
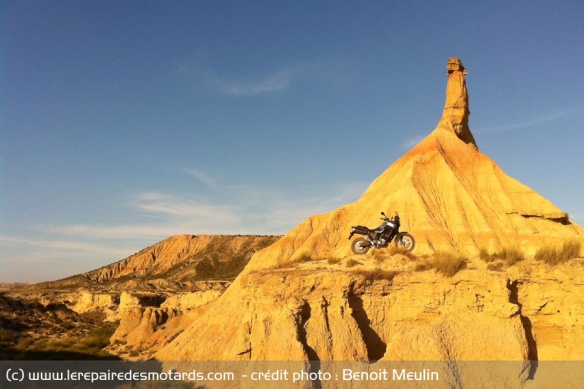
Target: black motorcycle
(381, 236)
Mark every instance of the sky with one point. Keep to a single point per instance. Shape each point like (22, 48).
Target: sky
(125, 122)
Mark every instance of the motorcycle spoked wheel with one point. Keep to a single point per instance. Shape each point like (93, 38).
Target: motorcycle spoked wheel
(405, 242)
(360, 246)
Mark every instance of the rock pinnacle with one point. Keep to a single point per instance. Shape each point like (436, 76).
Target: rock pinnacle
(456, 109)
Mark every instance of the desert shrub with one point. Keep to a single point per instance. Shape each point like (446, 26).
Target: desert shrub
(485, 256)
(376, 275)
(89, 346)
(445, 263)
(333, 261)
(423, 266)
(571, 249)
(400, 250)
(547, 254)
(7, 336)
(448, 264)
(352, 263)
(377, 255)
(511, 255)
(495, 266)
(24, 343)
(554, 256)
(303, 258)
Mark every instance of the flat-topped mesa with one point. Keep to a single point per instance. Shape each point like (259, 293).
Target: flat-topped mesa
(456, 109)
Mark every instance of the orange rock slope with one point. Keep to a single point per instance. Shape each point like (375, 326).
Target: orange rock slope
(449, 195)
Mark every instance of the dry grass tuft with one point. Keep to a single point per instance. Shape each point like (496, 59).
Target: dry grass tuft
(495, 266)
(423, 266)
(485, 256)
(510, 256)
(397, 250)
(446, 263)
(303, 258)
(333, 261)
(352, 262)
(377, 255)
(553, 256)
(376, 275)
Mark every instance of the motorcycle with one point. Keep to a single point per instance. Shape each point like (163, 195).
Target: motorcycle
(381, 236)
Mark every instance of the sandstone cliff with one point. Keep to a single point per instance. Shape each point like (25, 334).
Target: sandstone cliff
(372, 313)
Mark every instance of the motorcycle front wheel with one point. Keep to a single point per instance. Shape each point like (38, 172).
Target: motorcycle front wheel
(405, 242)
(360, 246)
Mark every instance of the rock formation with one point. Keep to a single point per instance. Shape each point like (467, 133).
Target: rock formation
(103, 302)
(142, 292)
(186, 257)
(351, 308)
(373, 314)
(449, 195)
(181, 262)
(456, 109)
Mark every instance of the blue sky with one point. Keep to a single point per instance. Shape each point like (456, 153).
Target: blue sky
(123, 123)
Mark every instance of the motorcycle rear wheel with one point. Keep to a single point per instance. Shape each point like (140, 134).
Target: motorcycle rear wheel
(405, 242)
(360, 246)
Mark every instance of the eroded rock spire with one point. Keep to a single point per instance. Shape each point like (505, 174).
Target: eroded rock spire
(456, 110)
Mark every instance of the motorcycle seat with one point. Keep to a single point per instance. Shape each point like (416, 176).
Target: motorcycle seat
(361, 229)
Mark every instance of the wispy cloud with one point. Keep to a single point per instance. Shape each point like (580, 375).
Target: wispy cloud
(240, 209)
(204, 178)
(534, 121)
(43, 245)
(168, 214)
(45, 258)
(187, 207)
(269, 83)
(63, 250)
(123, 232)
